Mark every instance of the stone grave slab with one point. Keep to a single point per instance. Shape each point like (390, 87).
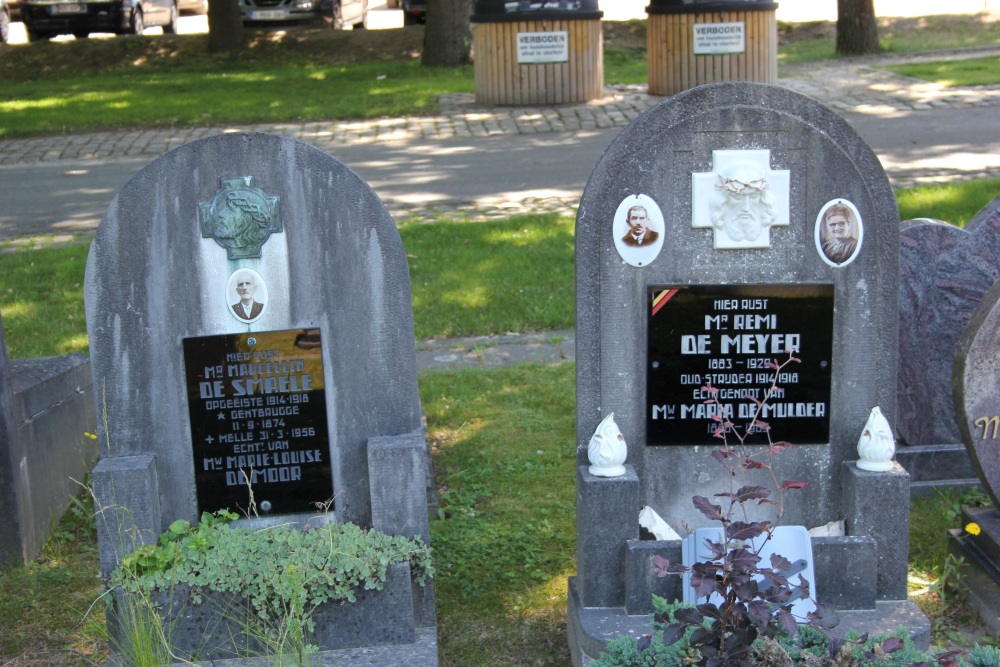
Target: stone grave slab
(775, 229)
(46, 406)
(249, 311)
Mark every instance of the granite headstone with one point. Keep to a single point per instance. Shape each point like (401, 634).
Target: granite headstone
(944, 272)
(977, 389)
(977, 406)
(722, 228)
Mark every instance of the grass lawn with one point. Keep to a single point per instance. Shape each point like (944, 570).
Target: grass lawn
(295, 91)
(956, 203)
(467, 278)
(954, 73)
(807, 42)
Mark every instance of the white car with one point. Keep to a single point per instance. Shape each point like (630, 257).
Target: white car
(349, 12)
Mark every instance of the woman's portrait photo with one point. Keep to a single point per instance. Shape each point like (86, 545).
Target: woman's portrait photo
(839, 232)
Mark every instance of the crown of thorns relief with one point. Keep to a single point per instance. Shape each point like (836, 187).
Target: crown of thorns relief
(737, 186)
(240, 217)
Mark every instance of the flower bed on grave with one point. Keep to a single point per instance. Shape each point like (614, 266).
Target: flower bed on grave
(213, 591)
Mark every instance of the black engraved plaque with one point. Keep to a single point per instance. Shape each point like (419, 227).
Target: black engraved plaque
(726, 336)
(258, 421)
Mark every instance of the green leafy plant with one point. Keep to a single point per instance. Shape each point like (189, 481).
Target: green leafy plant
(807, 647)
(950, 579)
(283, 571)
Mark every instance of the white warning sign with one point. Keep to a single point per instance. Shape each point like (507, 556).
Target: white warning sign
(543, 47)
(719, 38)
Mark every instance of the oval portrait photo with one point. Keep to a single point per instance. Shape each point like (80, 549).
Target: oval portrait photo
(839, 232)
(638, 230)
(246, 295)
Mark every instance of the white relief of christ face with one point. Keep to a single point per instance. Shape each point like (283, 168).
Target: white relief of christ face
(746, 206)
(742, 198)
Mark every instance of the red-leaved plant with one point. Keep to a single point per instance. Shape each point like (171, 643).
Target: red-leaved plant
(757, 599)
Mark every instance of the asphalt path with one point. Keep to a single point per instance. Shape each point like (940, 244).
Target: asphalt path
(71, 196)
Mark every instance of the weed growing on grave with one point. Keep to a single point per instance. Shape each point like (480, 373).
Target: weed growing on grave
(809, 646)
(283, 571)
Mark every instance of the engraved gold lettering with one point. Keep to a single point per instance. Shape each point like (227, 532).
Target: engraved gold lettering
(985, 423)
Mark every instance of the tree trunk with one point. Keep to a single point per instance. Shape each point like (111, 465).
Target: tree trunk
(225, 26)
(448, 35)
(857, 30)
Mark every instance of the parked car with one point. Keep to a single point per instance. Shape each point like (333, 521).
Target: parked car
(288, 11)
(349, 13)
(415, 11)
(4, 22)
(44, 19)
(192, 6)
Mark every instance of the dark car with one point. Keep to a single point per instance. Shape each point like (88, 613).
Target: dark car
(415, 11)
(44, 19)
(4, 22)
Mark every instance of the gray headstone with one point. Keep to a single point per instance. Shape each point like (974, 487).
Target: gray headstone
(944, 272)
(162, 269)
(721, 228)
(977, 389)
(248, 305)
(658, 155)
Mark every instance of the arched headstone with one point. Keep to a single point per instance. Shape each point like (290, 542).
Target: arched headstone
(249, 312)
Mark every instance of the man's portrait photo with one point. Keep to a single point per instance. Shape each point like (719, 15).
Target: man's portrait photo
(638, 230)
(251, 295)
(838, 232)
(741, 198)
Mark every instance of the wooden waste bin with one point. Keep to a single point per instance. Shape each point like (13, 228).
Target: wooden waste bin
(531, 52)
(696, 42)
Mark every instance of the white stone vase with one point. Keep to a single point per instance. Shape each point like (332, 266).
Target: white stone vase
(876, 444)
(607, 449)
